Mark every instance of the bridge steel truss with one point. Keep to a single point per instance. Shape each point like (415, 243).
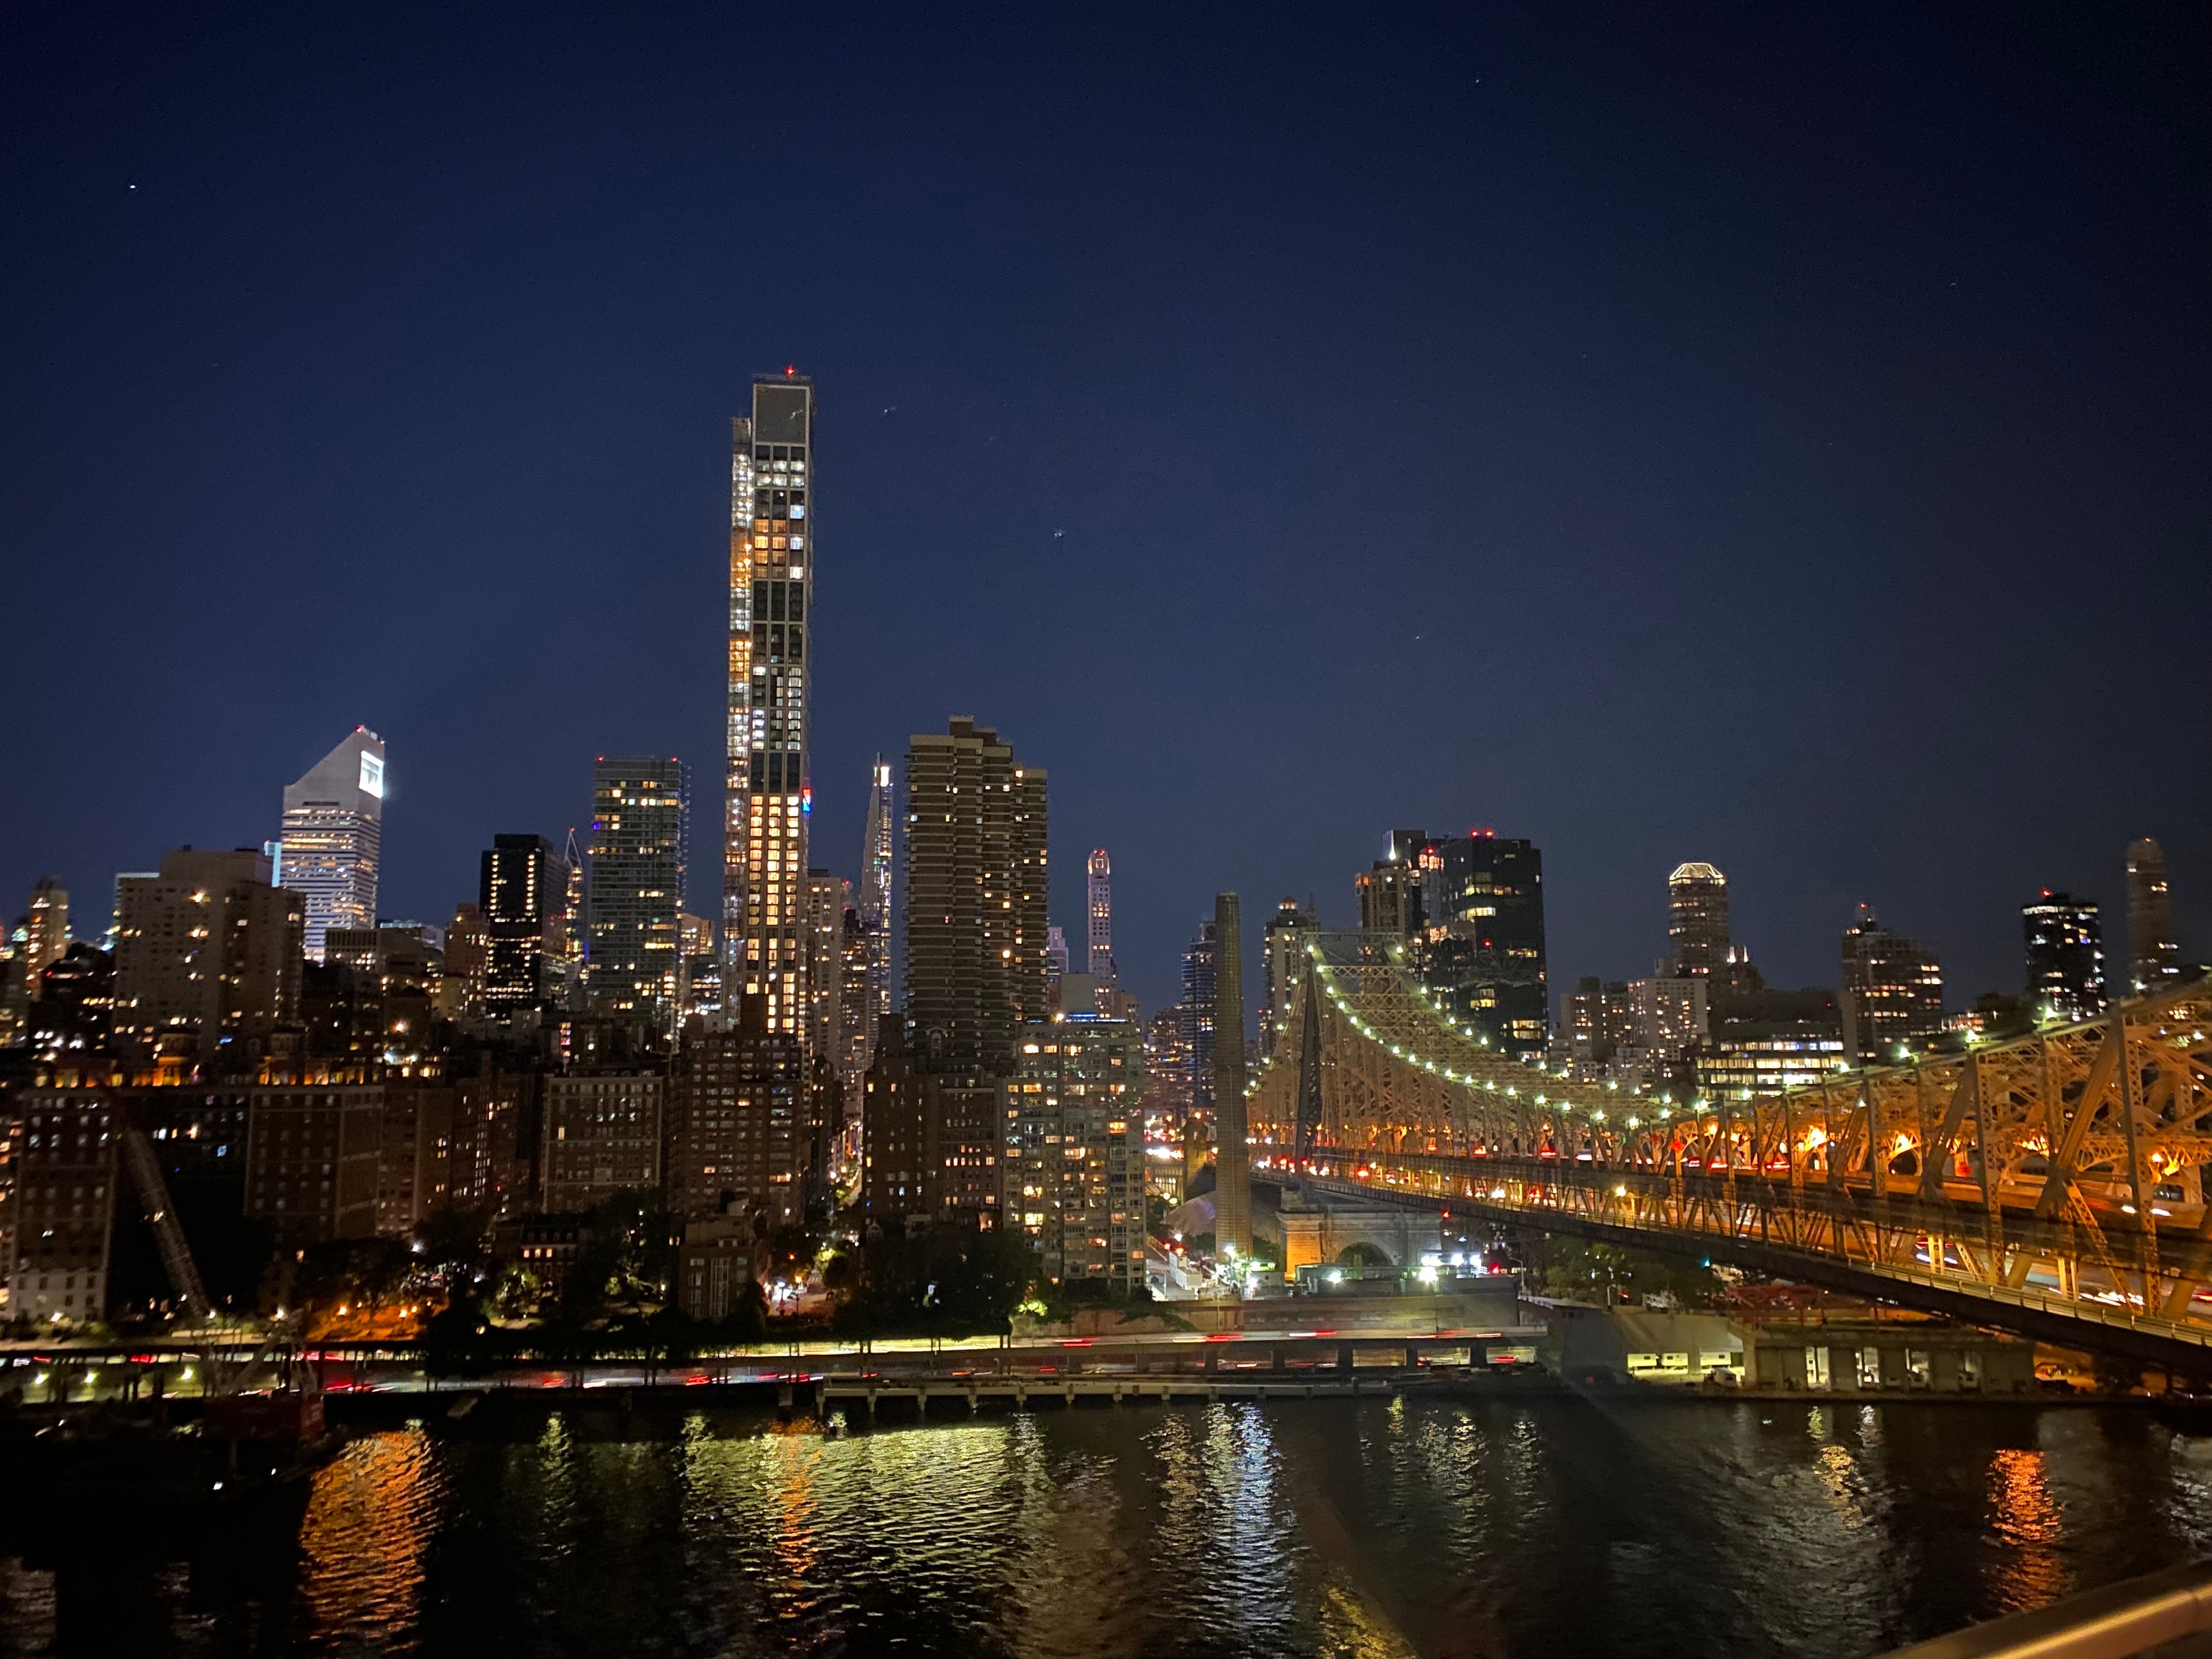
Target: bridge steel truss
(2023, 1177)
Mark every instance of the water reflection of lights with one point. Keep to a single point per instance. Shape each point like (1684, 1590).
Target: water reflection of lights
(369, 1522)
(2031, 1523)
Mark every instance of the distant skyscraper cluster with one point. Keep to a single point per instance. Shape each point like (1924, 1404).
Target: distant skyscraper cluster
(1470, 910)
(593, 1034)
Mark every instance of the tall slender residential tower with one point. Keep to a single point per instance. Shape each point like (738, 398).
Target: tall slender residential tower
(1232, 1158)
(333, 837)
(1100, 963)
(572, 975)
(767, 801)
(875, 897)
(827, 895)
(2155, 952)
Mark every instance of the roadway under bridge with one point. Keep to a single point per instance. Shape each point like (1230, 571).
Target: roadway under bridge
(2053, 1184)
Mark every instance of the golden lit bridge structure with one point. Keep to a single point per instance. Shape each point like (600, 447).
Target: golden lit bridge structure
(2052, 1183)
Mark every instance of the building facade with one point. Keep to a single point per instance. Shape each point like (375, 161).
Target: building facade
(931, 1134)
(1891, 996)
(208, 958)
(976, 893)
(874, 901)
(313, 1160)
(523, 899)
(1233, 1157)
(1389, 897)
(641, 830)
(2154, 949)
(2065, 946)
(1697, 918)
(859, 1017)
(1599, 1018)
(767, 798)
(1282, 968)
(415, 1166)
(1746, 1065)
(1073, 1170)
(1480, 928)
(45, 932)
(601, 1136)
(740, 1135)
(1201, 965)
(1098, 910)
(332, 845)
(62, 1205)
(827, 896)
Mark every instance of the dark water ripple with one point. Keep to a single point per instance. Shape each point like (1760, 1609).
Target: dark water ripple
(1354, 1530)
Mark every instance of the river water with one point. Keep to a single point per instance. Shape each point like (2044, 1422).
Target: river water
(1576, 1527)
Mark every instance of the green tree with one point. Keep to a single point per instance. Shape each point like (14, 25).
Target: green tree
(628, 1260)
(950, 1281)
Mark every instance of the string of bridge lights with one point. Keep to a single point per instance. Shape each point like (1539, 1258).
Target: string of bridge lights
(1665, 1109)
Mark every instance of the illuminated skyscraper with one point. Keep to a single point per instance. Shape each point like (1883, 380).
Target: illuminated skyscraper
(45, 932)
(2155, 953)
(641, 834)
(2065, 955)
(1697, 918)
(1478, 933)
(1072, 1172)
(1100, 963)
(766, 800)
(333, 837)
(1201, 960)
(858, 1017)
(874, 902)
(579, 935)
(974, 896)
(1282, 968)
(1893, 991)
(826, 898)
(523, 898)
(1232, 1158)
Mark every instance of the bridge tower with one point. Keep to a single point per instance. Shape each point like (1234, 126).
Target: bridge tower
(1232, 1158)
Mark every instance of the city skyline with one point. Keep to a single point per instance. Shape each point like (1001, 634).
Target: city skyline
(576, 1166)
(1817, 542)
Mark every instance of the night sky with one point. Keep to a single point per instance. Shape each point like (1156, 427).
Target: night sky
(1776, 437)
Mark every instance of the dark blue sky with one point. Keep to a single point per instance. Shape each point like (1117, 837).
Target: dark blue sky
(1776, 437)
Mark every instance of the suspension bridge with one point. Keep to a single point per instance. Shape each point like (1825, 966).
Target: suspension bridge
(2053, 1183)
